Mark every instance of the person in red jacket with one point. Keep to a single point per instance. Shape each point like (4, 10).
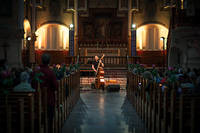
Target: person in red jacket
(50, 82)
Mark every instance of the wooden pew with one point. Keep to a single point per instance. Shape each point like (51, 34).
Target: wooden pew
(164, 112)
(195, 113)
(154, 107)
(183, 120)
(159, 111)
(32, 108)
(19, 109)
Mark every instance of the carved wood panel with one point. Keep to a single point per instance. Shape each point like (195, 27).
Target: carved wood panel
(103, 24)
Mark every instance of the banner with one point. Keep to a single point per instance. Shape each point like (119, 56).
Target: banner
(133, 43)
(71, 42)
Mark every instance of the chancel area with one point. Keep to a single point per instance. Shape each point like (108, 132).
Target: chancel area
(99, 66)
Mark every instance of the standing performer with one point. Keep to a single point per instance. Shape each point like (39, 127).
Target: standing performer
(97, 66)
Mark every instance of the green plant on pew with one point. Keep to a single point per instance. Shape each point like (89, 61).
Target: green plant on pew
(130, 67)
(73, 68)
(37, 76)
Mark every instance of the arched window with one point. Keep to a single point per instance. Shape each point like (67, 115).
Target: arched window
(52, 37)
(27, 32)
(148, 37)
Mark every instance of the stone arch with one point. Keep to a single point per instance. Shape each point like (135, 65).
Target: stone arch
(52, 36)
(148, 37)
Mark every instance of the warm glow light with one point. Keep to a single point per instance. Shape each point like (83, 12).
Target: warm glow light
(102, 72)
(65, 36)
(133, 26)
(140, 37)
(163, 42)
(28, 38)
(140, 45)
(27, 28)
(58, 66)
(52, 37)
(102, 80)
(182, 4)
(162, 38)
(149, 37)
(71, 26)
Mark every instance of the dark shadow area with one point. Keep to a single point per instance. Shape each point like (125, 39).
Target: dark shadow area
(76, 118)
(135, 124)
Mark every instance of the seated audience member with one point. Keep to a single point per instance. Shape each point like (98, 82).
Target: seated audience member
(24, 86)
(16, 74)
(3, 65)
(197, 89)
(180, 73)
(185, 83)
(148, 75)
(135, 71)
(49, 81)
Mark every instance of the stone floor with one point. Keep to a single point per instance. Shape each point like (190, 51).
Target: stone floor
(103, 112)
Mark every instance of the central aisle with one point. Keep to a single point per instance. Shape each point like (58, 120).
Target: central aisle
(103, 112)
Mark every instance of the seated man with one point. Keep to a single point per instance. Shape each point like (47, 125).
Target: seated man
(24, 86)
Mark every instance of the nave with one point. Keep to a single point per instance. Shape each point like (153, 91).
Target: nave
(103, 112)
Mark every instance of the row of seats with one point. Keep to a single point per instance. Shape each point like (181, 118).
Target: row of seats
(164, 109)
(27, 112)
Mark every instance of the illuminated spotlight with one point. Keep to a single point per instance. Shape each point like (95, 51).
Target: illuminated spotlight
(162, 38)
(71, 26)
(101, 71)
(102, 80)
(133, 26)
(28, 38)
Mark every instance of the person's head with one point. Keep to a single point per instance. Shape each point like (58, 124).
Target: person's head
(24, 77)
(3, 63)
(96, 57)
(198, 82)
(148, 75)
(180, 71)
(188, 70)
(46, 59)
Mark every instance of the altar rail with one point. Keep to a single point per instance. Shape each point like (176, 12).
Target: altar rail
(164, 110)
(26, 112)
(108, 60)
(103, 44)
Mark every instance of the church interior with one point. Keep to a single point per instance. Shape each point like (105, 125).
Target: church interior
(100, 66)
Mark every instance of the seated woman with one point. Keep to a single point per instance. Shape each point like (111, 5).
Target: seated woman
(148, 75)
(24, 86)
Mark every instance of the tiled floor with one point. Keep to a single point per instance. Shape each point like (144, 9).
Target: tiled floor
(86, 81)
(103, 112)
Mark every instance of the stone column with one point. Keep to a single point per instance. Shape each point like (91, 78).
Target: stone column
(33, 16)
(33, 36)
(18, 39)
(20, 15)
(129, 28)
(76, 27)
